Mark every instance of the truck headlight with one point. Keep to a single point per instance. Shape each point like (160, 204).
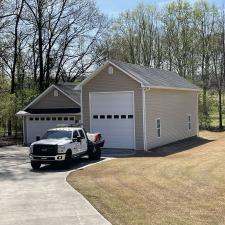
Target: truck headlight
(61, 148)
(31, 149)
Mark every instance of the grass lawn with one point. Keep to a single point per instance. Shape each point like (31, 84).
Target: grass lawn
(183, 183)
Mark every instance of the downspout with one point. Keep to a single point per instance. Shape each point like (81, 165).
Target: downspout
(144, 117)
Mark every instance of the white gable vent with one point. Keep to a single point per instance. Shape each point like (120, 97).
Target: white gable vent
(110, 70)
(56, 93)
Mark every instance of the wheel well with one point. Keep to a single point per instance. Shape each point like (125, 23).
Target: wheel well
(69, 151)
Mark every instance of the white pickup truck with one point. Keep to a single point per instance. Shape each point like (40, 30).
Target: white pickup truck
(63, 144)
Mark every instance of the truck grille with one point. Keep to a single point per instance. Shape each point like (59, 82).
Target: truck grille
(45, 150)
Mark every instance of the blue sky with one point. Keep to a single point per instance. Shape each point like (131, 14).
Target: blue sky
(113, 7)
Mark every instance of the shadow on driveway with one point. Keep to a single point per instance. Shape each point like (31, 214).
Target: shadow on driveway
(60, 167)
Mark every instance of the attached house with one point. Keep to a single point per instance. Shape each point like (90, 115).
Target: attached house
(133, 106)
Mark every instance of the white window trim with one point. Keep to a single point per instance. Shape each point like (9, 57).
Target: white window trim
(160, 128)
(189, 122)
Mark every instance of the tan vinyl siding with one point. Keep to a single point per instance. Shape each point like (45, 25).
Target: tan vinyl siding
(50, 101)
(173, 108)
(103, 82)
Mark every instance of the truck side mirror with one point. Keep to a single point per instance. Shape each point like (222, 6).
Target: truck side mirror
(38, 138)
(78, 139)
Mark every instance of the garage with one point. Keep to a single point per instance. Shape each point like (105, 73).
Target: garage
(38, 125)
(112, 114)
(57, 105)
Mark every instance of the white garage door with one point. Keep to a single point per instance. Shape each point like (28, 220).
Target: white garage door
(112, 114)
(38, 125)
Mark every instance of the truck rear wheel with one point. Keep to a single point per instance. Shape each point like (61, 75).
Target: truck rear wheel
(35, 165)
(94, 152)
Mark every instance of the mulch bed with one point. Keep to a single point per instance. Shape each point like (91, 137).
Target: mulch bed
(12, 140)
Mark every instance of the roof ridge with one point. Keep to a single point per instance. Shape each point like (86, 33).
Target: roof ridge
(143, 66)
(155, 77)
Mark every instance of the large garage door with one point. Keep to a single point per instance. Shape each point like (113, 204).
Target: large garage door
(38, 125)
(112, 114)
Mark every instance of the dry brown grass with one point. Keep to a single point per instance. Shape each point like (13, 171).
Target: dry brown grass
(185, 186)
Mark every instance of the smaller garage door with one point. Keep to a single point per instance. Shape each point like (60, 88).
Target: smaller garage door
(112, 114)
(38, 125)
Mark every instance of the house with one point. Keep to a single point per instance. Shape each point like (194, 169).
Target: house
(133, 106)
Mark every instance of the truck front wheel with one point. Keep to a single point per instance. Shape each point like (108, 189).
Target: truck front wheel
(35, 165)
(94, 152)
(68, 159)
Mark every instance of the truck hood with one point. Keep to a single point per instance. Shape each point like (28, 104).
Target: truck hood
(52, 142)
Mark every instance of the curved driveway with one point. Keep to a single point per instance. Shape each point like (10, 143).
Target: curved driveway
(40, 198)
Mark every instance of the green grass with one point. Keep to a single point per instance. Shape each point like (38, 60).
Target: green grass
(186, 186)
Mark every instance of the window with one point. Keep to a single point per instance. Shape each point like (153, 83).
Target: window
(189, 122)
(81, 134)
(71, 118)
(158, 127)
(36, 118)
(56, 93)
(31, 118)
(123, 116)
(59, 118)
(57, 134)
(48, 118)
(42, 118)
(116, 116)
(109, 116)
(110, 70)
(53, 118)
(102, 116)
(65, 118)
(95, 117)
(75, 134)
(130, 116)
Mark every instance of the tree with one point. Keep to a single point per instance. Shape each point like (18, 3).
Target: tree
(66, 33)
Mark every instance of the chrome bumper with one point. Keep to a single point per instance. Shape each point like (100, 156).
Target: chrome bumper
(60, 157)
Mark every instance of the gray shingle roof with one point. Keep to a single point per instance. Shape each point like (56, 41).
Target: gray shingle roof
(155, 77)
(69, 90)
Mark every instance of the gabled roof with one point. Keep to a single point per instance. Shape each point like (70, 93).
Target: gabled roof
(148, 77)
(67, 90)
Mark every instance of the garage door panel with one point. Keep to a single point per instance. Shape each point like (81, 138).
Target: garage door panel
(111, 104)
(39, 127)
(118, 129)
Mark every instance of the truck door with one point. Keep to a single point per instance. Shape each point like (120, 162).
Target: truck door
(76, 145)
(83, 141)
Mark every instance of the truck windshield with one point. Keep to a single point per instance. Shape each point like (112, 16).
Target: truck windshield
(57, 134)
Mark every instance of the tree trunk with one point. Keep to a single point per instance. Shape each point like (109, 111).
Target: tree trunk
(40, 47)
(204, 102)
(9, 127)
(220, 110)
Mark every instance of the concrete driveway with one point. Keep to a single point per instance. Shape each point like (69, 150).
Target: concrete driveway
(43, 197)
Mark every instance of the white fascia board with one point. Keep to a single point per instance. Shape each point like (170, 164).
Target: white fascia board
(86, 80)
(53, 114)
(66, 94)
(78, 87)
(141, 81)
(40, 96)
(171, 88)
(46, 92)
